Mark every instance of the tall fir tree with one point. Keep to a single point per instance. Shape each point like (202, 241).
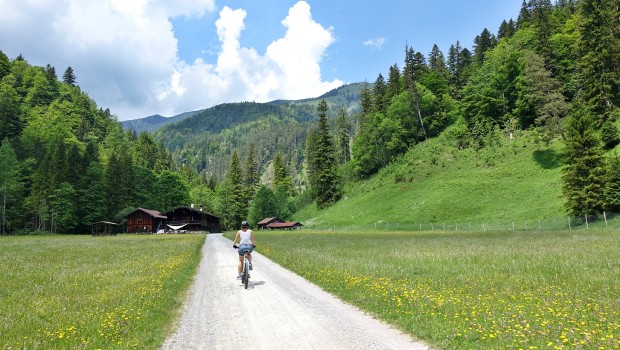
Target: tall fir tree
(483, 43)
(235, 204)
(281, 176)
(366, 103)
(583, 179)
(344, 136)
(326, 182)
(378, 92)
(251, 177)
(393, 86)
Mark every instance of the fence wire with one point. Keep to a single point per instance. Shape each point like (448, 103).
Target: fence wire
(604, 221)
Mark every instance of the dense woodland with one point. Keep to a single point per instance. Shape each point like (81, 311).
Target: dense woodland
(554, 71)
(65, 163)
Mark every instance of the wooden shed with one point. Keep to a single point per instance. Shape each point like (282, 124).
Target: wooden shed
(145, 221)
(263, 223)
(289, 225)
(104, 228)
(190, 219)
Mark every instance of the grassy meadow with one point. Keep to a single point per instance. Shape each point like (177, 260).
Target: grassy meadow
(470, 290)
(82, 292)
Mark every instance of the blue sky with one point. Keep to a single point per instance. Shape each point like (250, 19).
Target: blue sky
(144, 57)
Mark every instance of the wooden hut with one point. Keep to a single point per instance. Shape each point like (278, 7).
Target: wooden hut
(104, 228)
(263, 223)
(145, 221)
(190, 219)
(289, 225)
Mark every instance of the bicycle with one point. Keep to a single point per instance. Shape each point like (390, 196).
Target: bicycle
(245, 267)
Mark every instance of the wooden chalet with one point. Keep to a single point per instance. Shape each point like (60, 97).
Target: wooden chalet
(263, 223)
(190, 219)
(290, 225)
(145, 221)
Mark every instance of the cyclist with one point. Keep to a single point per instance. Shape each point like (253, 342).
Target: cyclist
(245, 236)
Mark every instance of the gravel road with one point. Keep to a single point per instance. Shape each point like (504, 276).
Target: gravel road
(279, 310)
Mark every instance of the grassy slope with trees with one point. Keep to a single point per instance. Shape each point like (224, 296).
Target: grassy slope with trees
(435, 182)
(551, 77)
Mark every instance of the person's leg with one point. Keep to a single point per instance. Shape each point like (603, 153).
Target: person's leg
(239, 264)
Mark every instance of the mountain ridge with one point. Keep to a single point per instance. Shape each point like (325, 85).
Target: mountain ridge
(343, 95)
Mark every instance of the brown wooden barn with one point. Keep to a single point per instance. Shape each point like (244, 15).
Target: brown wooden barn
(263, 223)
(190, 219)
(145, 221)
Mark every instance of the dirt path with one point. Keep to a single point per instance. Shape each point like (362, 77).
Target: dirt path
(279, 310)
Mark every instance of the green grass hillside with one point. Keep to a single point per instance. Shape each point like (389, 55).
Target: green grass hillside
(435, 183)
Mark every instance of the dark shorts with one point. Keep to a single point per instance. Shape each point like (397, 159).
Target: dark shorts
(243, 247)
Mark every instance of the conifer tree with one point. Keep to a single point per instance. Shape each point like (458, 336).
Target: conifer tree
(281, 176)
(393, 87)
(212, 182)
(325, 180)
(344, 136)
(234, 201)
(524, 15)
(251, 177)
(69, 77)
(599, 49)
(541, 20)
(378, 93)
(583, 178)
(93, 207)
(483, 43)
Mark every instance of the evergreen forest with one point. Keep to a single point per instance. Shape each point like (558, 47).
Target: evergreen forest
(553, 72)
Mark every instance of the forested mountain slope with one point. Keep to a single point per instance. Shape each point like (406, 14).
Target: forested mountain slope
(206, 140)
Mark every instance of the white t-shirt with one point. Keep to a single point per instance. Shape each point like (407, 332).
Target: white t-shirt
(245, 237)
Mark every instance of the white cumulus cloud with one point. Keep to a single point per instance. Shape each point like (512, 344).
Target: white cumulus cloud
(125, 53)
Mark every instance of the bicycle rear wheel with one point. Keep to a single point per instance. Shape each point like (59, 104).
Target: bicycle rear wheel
(246, 273)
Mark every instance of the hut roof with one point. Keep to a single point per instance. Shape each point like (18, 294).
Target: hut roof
(268, 220)
(284, 224)
(150, 212)
(104, 223)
